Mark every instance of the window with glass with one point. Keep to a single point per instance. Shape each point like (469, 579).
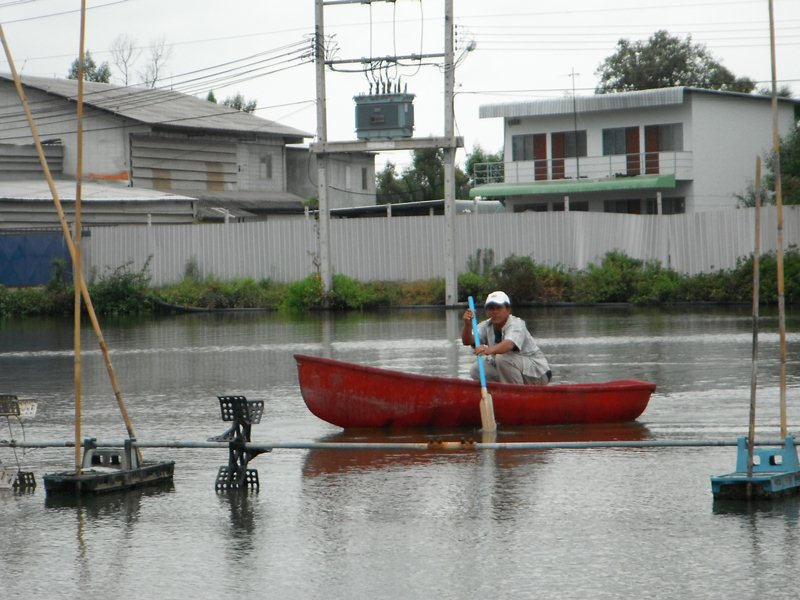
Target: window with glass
(574, 143)
(614, 141)
(667, 138)
(522, 147)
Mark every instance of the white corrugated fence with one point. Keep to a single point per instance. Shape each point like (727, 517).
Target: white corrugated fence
(412, 248)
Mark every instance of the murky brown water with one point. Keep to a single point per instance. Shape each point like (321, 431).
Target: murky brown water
(603, 523)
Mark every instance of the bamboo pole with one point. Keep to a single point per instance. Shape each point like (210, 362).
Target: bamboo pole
(81, 282)
(77, 234)
(776, 148)
(751, 433)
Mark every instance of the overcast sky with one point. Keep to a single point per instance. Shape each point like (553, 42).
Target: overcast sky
(523, 49)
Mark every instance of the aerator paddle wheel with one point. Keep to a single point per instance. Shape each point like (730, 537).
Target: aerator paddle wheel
(243, 414)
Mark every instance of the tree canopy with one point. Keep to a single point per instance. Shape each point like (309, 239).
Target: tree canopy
(91, 71)
(236, 101)
(478, 156)
(790, 175)
(423, 180)
(665, 61)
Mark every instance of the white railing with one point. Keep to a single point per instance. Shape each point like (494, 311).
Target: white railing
(679, 164)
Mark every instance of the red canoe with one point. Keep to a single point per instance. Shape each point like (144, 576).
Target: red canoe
(352, 396)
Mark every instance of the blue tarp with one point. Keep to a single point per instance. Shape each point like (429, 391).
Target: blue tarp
(26, 258)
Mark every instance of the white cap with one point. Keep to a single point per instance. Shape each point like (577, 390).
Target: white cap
(497, 298)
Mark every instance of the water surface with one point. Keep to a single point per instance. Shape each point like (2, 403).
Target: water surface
(602, 523)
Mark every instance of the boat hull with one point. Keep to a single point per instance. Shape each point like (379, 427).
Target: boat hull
(357, 396)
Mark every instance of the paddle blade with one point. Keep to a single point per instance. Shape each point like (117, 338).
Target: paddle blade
(487, 411)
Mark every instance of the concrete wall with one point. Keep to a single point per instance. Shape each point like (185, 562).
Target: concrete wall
(345, 177)
(727, 134)
(261, 166)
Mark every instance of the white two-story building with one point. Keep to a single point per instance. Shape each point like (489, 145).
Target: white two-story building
(661, 151)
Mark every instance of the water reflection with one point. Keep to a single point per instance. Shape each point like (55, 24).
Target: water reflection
(322, 461)
(240, 506)
(770, 526)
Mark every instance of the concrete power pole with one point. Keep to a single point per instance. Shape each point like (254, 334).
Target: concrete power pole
(450, 270)
(322, 158)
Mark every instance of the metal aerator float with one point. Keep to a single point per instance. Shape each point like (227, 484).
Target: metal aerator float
(108, 470)
(357, 396)
(244, 414)
(774, 472)
(10, 478)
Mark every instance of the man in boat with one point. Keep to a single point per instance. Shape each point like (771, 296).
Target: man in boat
(511, 354)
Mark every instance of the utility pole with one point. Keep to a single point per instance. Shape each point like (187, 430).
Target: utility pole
(450, 269)
(324, 222)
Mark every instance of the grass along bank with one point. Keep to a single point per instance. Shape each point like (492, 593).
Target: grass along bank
(617, 278)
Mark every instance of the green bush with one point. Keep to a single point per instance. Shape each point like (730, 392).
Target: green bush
(614, 280)
(27, 302)
(475, 285)
(188, 292)
(212, 293)
(302, 295)
(347, 293)
(768, 276)
(656, 285)
(517, 276)
(122, 291)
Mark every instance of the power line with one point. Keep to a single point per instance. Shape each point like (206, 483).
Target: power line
(61, 13)
(129, 97)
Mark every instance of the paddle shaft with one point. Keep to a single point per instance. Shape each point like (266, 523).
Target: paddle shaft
(488, 423)
(477, 339)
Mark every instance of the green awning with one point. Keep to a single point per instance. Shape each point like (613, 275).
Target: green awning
(570, 186)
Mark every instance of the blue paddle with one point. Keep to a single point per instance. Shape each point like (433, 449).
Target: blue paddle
(487, 407)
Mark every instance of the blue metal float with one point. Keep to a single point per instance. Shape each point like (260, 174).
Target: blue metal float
(775, 472)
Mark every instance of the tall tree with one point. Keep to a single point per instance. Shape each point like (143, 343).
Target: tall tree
(390, 186)
(423, 180)
(124, 54)
(665, 61)
(91, 71)
(156, 62)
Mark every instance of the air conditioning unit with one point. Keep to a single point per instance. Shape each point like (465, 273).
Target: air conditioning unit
(384, 116)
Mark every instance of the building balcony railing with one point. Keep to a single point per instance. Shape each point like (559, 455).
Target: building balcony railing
(679, 164)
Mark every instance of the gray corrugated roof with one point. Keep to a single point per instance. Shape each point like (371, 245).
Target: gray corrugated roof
(163, 107)
(38, 190)
(602, 102)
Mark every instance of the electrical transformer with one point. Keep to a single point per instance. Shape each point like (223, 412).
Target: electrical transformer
(384, 116)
